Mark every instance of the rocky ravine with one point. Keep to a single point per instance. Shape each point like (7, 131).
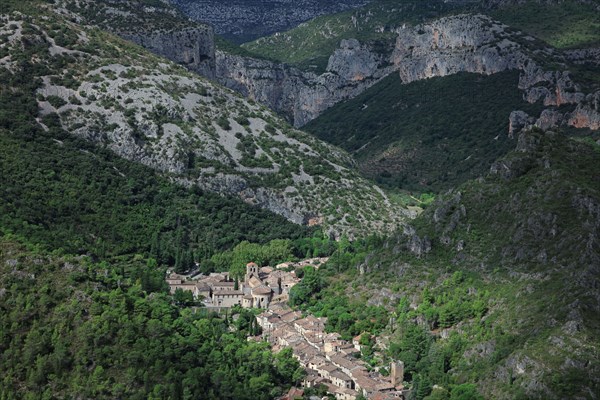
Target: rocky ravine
(149, 110)
(303, 96)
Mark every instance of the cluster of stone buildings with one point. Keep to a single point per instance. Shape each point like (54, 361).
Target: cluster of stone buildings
(327, 359)
(218, 290)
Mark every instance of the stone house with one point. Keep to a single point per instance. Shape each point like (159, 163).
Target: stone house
(342, 380)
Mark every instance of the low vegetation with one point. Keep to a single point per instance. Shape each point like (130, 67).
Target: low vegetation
(309, 45)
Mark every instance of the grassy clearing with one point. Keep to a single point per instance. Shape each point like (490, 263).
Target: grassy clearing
(566, 24)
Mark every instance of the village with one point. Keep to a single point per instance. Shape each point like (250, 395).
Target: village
(261, 285)
(327, 359)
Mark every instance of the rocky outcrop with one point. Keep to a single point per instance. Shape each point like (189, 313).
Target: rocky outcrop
(463, 43)
(587, 113)
(192, 47)
(159, 28)
(459, 43)
(476, 43)
(299, 95)
(553, 88)
(583, 56)
(517, 121)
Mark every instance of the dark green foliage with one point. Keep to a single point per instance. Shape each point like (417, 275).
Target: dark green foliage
(74, 196)
(564, 24)
(348, 318)
(56, 101)
(311, 284)
(63, 192)
(428, 135)
(526, 266)
(466, 391)
(71, 328)
(309, 45)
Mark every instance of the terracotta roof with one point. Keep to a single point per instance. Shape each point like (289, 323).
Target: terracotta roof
(328, 367)
(318, 360)
(365, 382)
(343, 362)
(295, 393)
(251, 264)
(340, 375)
(261, 290)
(254, 281)
(290, 316)
(385, 386)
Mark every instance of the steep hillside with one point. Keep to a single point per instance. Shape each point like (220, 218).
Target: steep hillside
(149, 110)
(153, 24)
(61, 192)
(245, 20)
(496, 288)
(429, 135)
(390, 39)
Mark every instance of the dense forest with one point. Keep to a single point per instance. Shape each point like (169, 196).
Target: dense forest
(491, 292)
(70, 327)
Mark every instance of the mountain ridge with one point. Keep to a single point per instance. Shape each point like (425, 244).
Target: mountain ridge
(149, 110)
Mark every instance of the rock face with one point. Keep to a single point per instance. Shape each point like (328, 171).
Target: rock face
(587, 113)
(244, 20)
(464, 43)
(475, 43)
(192, 47)
(459, 43)
(159, 28)
(302, 96)
(519, 120)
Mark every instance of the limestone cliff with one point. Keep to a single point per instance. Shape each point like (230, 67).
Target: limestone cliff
(445, 46)
(300, 95)
(459, 43)
(193, 47)
(476, 43)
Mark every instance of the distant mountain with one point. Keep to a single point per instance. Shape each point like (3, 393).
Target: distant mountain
(244, 20)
